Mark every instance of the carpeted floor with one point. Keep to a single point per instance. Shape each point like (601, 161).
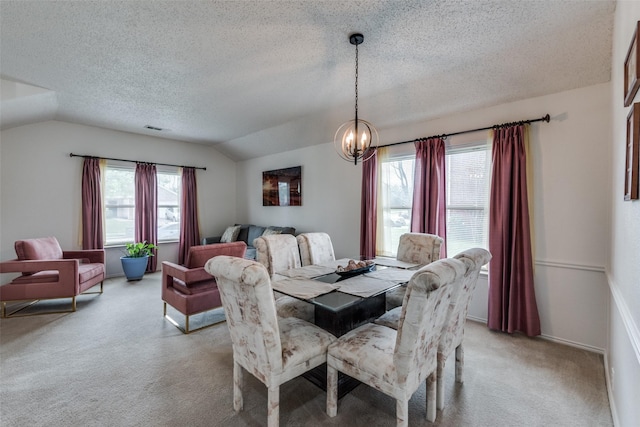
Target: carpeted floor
(117, 362)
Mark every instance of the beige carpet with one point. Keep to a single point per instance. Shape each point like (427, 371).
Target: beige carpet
(117, 362)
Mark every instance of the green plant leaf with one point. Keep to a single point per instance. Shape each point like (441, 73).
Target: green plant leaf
(139, 249)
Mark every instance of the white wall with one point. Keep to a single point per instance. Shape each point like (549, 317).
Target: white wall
(623, 269)
(571, 195)
(41, 185)
(330, 196)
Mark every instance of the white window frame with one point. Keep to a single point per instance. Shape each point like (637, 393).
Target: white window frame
(161, 206)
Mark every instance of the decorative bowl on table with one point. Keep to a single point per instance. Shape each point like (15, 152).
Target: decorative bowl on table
(353, 268)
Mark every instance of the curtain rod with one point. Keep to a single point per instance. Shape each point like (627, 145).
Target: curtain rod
(135, 161)
(546, 118)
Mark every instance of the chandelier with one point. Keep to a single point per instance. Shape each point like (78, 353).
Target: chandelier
(356, 139)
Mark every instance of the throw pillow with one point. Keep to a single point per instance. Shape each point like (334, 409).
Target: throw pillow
(230, 234)
(271, 232)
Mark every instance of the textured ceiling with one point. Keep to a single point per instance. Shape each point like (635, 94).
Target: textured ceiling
(233, 73)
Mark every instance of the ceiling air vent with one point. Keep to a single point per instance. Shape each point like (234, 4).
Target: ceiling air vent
(152, 128)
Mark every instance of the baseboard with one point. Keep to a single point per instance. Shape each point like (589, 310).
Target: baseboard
(573, 344)
(607, 379)
(554, 339)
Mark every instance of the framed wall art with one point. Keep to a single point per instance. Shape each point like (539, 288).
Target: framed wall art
(632, 154)
(632, 68)
(282, 187)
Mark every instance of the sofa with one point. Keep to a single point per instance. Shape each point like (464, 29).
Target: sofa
(247, 233)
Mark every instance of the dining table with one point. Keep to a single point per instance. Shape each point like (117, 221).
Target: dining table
(343, 300)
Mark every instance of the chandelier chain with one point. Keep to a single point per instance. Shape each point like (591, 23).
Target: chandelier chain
(356, 83)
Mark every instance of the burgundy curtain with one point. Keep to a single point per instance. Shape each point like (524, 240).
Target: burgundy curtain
(429, 210)
(146, 217)
(368, 209)
(512, 300)
(189, 230)
(91, 205)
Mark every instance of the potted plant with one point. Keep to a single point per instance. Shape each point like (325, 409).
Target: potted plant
(134, 262)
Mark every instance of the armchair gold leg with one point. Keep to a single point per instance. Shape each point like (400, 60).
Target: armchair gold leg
(29, 303)
(186, 329)
(96, 292)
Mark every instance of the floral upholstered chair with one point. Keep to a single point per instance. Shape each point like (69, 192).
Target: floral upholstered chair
(273, 349)
(418, 248)
(397, 362)
(280, 252)
(453, 333)
(277, 252)
(315, 248)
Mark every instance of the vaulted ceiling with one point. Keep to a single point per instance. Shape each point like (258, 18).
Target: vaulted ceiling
(245, 76)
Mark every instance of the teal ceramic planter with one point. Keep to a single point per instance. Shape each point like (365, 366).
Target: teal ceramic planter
(134, 268)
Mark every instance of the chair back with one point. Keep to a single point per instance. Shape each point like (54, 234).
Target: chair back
(38, 249)
(277, 252)
(420, 248)
(422, 319)
(199, 255)
(249, 306)
(315, 248)
(453, 332)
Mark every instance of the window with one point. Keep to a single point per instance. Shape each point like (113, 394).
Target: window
(120, 205)
(468, 171)
(467, 196)
(395, 196)
(169, 184)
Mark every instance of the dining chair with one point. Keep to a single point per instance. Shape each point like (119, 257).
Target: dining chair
(273, 349)
(277, 252)
(396, 362)
(315, 248)
(453, 332)
(417, 248)
(280, 252)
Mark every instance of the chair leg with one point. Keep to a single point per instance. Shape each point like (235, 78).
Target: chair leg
(431, 397)
(186, 324)
(273, 411)
(459, 363)
(237, 387)
(402, 413)
(332, 391)
(73, 303)
(440, 382)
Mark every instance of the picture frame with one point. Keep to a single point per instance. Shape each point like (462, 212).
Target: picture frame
(632, 157)
(632, 68)
(282, 187)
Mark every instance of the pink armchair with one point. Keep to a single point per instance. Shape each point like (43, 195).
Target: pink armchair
(189, 288)
(48, 272)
